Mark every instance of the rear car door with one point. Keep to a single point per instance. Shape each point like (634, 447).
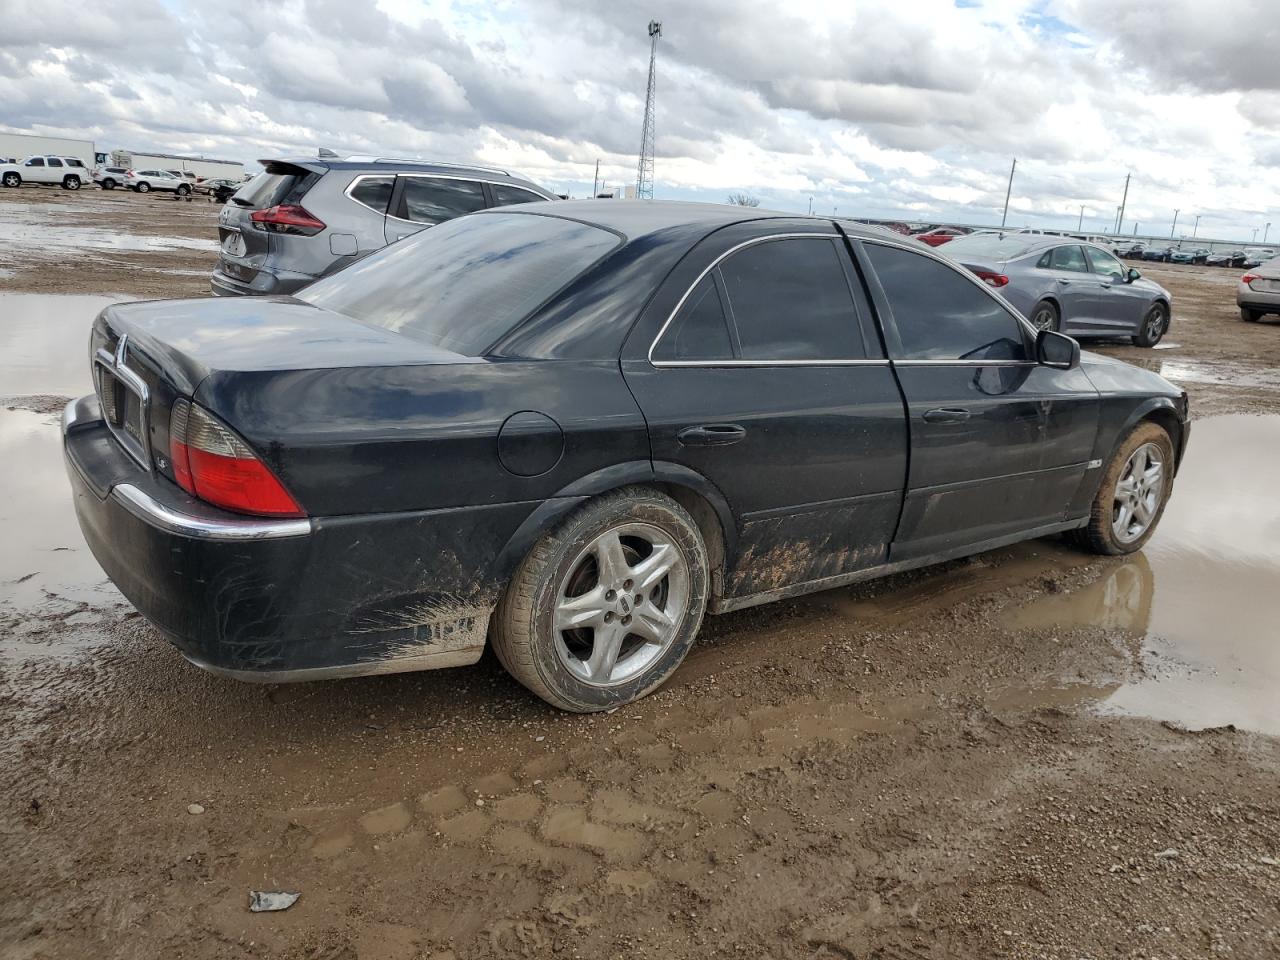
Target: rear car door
(422, 200)
(999, 444)
(1075, 286)
(1120, 307)
(756, 367)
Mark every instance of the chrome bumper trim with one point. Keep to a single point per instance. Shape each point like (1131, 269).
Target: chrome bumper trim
(151, 511)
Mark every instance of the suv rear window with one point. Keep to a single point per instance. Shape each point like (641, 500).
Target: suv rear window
(279, 183)
(464, 284)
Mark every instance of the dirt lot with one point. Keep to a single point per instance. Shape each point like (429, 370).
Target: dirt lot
(1033, 753)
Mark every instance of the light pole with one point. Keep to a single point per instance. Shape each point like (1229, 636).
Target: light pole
(1255, 235)
(1196, 227)
(1005, 216)
(1080, 222)
(1265, 230)
(1124, 201)
(1175, 224)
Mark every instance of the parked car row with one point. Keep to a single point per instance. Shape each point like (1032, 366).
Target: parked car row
(71, 174)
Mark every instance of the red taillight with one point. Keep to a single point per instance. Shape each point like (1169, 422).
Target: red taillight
(212, 463)
(992, 279)
(1249, 278)
(287, 218)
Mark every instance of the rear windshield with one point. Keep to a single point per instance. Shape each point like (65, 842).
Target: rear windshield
(464, 284)
(998, 246)
(279, 183)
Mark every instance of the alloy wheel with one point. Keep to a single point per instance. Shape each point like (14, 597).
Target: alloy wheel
(621, 605)
(1155, 323)
(1138, 493)
(1042, 319)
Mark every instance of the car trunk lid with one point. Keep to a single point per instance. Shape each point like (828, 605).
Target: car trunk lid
(244, 248)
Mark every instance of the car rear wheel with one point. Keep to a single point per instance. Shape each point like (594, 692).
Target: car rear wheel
(71, 182)
(1153, 326)
(1132, 495)
(108, 184)
(182, 190)
(1045, 316)
(1249, 316)
(143, 187)
(605, 607)
(11, 180)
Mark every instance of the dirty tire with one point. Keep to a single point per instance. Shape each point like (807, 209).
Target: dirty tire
(1099, 535)
(1154, 324)
(1249, 316)
(1045, 316)
(524, 637)
(108, 184)
(182, 190)
(143, 187)
(71, 183)
(12, 180)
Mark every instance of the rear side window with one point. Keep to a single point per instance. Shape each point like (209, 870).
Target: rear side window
(939, 313)
(279, 183)
(700, 331)
(790, 300)
(465, 284)
(55, 162)
(72, 162)
(504, 195)
(436, 199)
(374, 192)
(1070, 258)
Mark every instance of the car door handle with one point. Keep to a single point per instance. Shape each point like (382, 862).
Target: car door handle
(711, 435)
(946, 415)
(1106, 286)
(1063, 280)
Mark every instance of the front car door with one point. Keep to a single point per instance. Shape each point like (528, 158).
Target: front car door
(999, 444)
(421, 201)
(1120, 307)
(35, 170)
(757, 366)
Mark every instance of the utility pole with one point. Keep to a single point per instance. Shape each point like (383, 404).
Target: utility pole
(644, 172)
(1080, 223)
(595, 182)
(1265, 230)
(1196, 228)
(1008, 192)
(1255, 235)
(811, 206)
(1123, 203)
(1117, 225)
(1175, 224)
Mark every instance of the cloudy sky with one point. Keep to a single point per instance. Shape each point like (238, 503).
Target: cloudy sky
(877, 109)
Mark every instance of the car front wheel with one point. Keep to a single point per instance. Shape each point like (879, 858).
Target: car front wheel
(1153, 326)
(182, 190)
(1132, 495)
(143, 188)
(11, 180)
(604, 608)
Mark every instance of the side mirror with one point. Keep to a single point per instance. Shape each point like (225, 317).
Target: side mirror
(1132, 275)
(1057, 350)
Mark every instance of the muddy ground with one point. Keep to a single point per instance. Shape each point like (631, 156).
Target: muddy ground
(1032, 753)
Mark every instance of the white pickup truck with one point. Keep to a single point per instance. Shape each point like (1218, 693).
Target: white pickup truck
(70, 172)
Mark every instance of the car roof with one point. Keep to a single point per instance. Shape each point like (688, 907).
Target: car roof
(406, 165)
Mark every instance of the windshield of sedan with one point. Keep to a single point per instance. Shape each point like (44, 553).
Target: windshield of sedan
(995, 246)
(465, 283)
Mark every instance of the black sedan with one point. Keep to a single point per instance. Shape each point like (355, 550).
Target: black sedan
(573, 429)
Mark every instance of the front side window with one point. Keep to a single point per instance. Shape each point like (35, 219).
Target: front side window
(467, 283)
(436, 199)
(504, 195)
(1104, 263)
(35, 162)
(939, 313)
(700, 331)
(1069, 258)
(790, 300)
(374, 193)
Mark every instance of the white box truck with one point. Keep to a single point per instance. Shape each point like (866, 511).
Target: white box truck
(16, 147)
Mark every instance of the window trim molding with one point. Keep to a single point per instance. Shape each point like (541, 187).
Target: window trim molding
(749, 363)
(398, 174)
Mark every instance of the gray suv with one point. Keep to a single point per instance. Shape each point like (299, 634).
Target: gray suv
(301, 219)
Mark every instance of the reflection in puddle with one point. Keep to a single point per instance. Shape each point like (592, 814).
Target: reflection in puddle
(45, 563)
(44, 343)
(1204, 594)
(1213, 372)
(18, 240)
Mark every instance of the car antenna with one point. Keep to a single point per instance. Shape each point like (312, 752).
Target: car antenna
(324, 153)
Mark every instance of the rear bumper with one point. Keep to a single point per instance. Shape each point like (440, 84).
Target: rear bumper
(264, 284)
(281, 600)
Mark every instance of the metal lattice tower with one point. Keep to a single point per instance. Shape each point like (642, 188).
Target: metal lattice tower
(644, 172)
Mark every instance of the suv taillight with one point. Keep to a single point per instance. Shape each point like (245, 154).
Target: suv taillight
(287, 218)
(212, 463)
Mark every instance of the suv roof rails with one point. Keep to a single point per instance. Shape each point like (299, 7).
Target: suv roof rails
(362, 158)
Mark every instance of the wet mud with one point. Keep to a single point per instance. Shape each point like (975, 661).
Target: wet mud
(1030, 753)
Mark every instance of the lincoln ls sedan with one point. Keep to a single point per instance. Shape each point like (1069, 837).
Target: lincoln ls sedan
(571, 430)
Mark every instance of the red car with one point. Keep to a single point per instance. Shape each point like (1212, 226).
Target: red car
(936, 238)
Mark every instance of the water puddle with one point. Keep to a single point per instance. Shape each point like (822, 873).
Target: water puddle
(1204, 595)
(20, 240)
(1216, 373)
(45, 564)
(44, 343)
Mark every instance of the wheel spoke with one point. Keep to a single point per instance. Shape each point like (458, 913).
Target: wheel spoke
(1126, 488)
(1142, 511)
(586, 610)
(648, 573)
(605, 646)
(651, 623)
(611, 559)
(1124, 517)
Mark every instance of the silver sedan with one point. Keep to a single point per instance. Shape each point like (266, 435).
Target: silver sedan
(1259, 291)
(1064, 285)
